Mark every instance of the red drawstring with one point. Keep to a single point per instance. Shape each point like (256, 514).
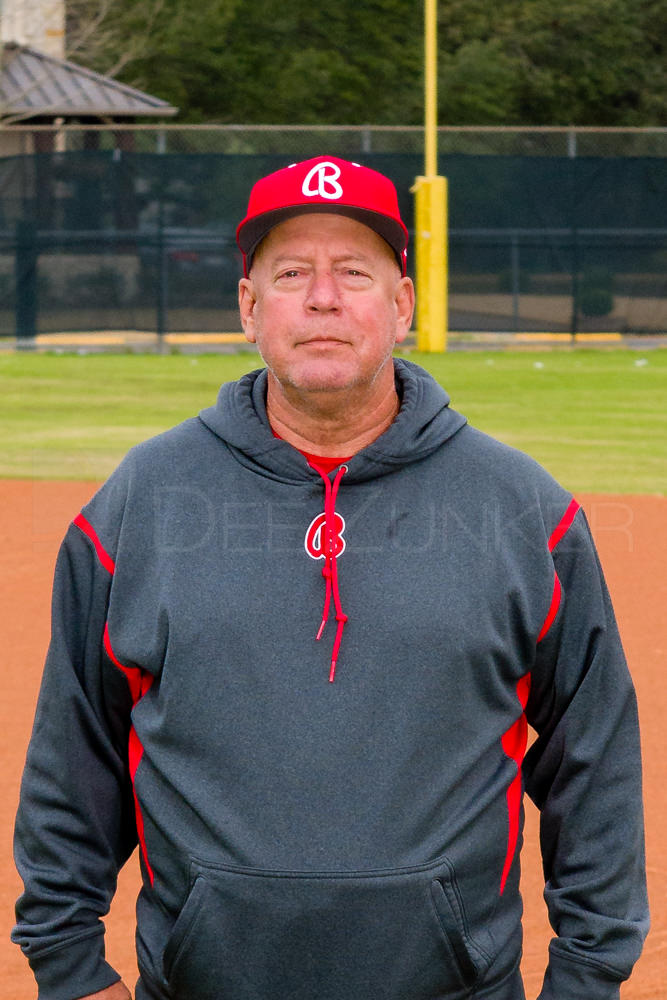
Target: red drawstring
(331, 546)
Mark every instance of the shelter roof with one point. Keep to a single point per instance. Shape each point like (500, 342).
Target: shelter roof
(33, 84)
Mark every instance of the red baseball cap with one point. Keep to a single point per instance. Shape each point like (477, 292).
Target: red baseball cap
(323, 184)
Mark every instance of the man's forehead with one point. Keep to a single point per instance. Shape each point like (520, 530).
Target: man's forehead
(345, 238)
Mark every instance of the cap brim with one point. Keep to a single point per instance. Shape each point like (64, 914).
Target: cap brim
(251, 233)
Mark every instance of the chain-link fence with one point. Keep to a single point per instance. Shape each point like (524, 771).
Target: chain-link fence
(133, 228)
(344, 140)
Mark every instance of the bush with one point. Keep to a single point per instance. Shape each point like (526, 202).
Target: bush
(103, 287)
(595, 301)
(7, 291)
(596, 292)
(506, 281)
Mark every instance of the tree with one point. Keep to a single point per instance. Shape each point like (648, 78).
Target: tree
(111, 33)
(236, 62)
(587, 62)
(165, 47)
(581, 62)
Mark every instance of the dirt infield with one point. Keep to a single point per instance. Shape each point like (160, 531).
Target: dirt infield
(631, 533)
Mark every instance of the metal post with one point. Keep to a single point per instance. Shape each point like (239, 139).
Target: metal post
(162, 279)
(431, 262)
(430, 88)
(516, 280)
(162, 259)
(431, 208)
(25, 277)
(574, 320)
(575, 250)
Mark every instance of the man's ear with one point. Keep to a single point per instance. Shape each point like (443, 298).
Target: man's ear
(405, 307)
(247, 301)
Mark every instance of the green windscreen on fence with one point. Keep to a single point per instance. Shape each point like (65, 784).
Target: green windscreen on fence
(145, 241)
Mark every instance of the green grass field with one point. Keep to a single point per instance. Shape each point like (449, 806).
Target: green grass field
(596, 419)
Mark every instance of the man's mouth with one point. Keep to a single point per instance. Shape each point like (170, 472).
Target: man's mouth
(321, 341)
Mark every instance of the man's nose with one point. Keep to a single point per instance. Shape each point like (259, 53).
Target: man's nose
(323, 294)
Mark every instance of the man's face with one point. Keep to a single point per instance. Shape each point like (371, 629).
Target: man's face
(325, 303)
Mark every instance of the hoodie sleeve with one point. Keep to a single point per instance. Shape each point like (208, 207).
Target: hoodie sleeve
(584, 774)
(75, 826)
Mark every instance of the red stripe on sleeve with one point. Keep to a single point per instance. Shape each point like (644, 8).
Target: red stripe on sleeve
(557, 535)
(515, 740)
(564, 524)
(102, 554)
(553, 609)
(514, 743)
(139, 682)
(136, 752)
(133, 674)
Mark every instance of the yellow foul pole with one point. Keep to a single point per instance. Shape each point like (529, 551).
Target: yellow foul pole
(430, 88)
(431, 208)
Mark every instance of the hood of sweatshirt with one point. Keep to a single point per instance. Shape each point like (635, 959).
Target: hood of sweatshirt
(424, 422)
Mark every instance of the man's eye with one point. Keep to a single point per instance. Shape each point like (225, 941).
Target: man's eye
(292, 273)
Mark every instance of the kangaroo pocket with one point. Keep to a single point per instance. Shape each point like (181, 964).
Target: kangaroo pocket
(247, 934)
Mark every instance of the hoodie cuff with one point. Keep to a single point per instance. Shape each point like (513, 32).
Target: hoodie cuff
(569, 979)
(73, 970)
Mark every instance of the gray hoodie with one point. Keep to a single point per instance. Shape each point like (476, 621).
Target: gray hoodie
(336, 819)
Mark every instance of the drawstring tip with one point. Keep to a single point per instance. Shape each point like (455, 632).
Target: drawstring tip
(320, 630)
(332, 672)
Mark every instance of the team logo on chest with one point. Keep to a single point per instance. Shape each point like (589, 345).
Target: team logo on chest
(314, 540)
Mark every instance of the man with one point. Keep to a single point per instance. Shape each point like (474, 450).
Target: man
(336, 819)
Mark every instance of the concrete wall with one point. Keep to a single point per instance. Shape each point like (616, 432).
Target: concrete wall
(37, 23)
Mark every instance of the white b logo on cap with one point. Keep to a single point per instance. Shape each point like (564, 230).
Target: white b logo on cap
(327, 182)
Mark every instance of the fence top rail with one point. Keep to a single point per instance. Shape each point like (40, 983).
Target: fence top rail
(220, 238)
(389, 129)
(546, 231)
